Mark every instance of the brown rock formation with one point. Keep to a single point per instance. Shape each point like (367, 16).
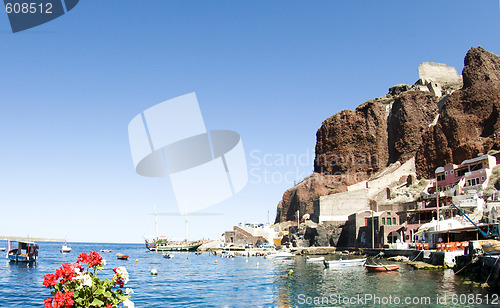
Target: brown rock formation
(469, 119)
(352, 145)
(353, 141)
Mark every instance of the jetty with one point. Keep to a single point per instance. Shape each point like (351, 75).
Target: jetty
(32, 239)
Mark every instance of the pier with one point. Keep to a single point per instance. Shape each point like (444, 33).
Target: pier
(30, 239)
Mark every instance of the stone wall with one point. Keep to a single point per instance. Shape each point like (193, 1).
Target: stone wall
(339, 206)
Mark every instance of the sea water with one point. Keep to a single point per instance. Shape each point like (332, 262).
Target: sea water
(190, 280)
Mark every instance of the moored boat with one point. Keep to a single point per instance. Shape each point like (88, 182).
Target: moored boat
(381, 268)
(65, 248)
(162, 245)
(22, 251)
(3, 248)
(106, 250)
(490, 247)
(167, 256)
(280, 255)
(122, 256)
(344, 263)
(318, 259)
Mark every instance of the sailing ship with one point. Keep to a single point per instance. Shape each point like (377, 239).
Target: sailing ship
(22, 251)
(162, 244)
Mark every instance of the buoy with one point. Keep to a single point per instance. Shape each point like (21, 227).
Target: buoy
(136, 260)
(290, 272)
(215, 261)
(257, 263)
(154, 272)
(246, 260)
(282, 261)
(274, 262)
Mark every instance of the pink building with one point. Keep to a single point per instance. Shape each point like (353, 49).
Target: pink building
(471, 172)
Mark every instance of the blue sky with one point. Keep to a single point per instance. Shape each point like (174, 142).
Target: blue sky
(270, 70)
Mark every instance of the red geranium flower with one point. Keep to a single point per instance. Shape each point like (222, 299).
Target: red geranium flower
(67, 272)
(50, 280)
(47, 303)
(93, 259)
(64, 300)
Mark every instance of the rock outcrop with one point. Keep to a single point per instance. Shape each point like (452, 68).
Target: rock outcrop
(352, 146)
(469, 121)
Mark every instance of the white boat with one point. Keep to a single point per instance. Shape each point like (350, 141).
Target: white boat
(344, 263)
(318, 259)
(65, 248)
(3, 248)
(106, 250)
(281, 255)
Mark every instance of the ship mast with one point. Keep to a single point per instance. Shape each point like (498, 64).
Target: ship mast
(156, 227)
(186, 213)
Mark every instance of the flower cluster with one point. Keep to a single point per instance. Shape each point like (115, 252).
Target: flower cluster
(121, 276)
(77, 287)
(60, 300)
(93, 259)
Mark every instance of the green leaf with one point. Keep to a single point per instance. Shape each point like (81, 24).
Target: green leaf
(97, 303)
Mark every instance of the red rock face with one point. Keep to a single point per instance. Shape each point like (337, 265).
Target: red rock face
(469, 120)
(353, 141)
(352, 145)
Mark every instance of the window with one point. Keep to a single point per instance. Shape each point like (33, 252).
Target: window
(389, 221)
(461, 172)
(445, 173)
(383, 221)
(482, 178)
(476, 167)
(451, 172)
(477, 181)
(394, 221)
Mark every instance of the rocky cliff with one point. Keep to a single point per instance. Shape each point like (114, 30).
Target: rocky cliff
(352, 146)
(469, 119)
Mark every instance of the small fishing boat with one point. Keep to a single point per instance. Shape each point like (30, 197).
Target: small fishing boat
(65, 248)
(3, 248)
(280, 255)
(318, 259)
(344, 263)
(381, 268)
(167, 256)
(490, 247)
(22, 251)
(106, 250)
(121, 256)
